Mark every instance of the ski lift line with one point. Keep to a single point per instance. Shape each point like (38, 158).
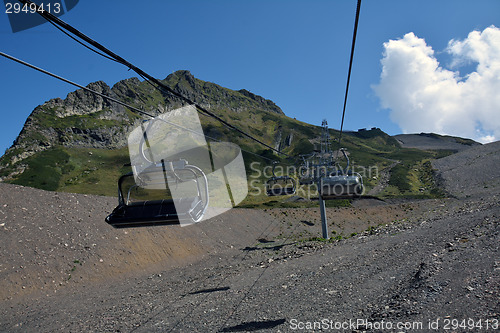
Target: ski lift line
(134, 109)
(81, 43)
(51, 18)
(73, 83)
(208, 115)
(350, 68)
(131, 108)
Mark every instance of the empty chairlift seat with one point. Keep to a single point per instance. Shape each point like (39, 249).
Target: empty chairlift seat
(340, 186)
(147, 201)
(280, 185)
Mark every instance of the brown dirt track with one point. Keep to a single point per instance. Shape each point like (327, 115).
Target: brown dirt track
(64, 269)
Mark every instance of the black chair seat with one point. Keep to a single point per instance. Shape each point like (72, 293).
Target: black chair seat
(144, 213)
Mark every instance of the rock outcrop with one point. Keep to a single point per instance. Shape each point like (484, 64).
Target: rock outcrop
(86, 120)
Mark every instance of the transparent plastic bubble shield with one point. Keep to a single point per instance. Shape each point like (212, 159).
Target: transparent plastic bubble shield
(171, 151)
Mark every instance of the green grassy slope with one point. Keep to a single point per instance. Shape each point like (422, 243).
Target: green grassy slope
(95, 171)
(85, 153)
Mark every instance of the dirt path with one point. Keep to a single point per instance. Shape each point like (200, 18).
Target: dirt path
(384, 176)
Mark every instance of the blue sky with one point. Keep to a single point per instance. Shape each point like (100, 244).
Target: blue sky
(295, 53)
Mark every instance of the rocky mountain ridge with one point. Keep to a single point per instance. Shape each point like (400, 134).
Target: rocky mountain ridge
(86, 120)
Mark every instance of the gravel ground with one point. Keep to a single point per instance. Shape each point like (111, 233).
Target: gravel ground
(429, 141)
(422, 263)
(471, 172)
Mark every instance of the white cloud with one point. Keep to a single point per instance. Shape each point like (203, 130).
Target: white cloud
(425, 97)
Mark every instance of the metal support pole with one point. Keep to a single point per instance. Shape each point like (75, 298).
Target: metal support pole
(324, 224)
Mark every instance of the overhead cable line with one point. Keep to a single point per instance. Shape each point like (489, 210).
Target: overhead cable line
(51, 18)
(79, 86)
(133, 109)
(130, 107)
(81, 43)
(350, 67)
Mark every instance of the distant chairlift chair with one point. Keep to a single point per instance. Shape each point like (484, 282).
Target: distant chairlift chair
(282, 185)
(341, 184)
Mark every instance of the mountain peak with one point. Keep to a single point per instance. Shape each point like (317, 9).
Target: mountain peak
(182, 73)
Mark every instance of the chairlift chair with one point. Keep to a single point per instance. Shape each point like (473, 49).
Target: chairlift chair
(143, 195)
(341, 184)
(133, 213)
(280, 185)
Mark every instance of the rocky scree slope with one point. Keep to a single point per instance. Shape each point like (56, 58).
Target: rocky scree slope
(439, 259)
